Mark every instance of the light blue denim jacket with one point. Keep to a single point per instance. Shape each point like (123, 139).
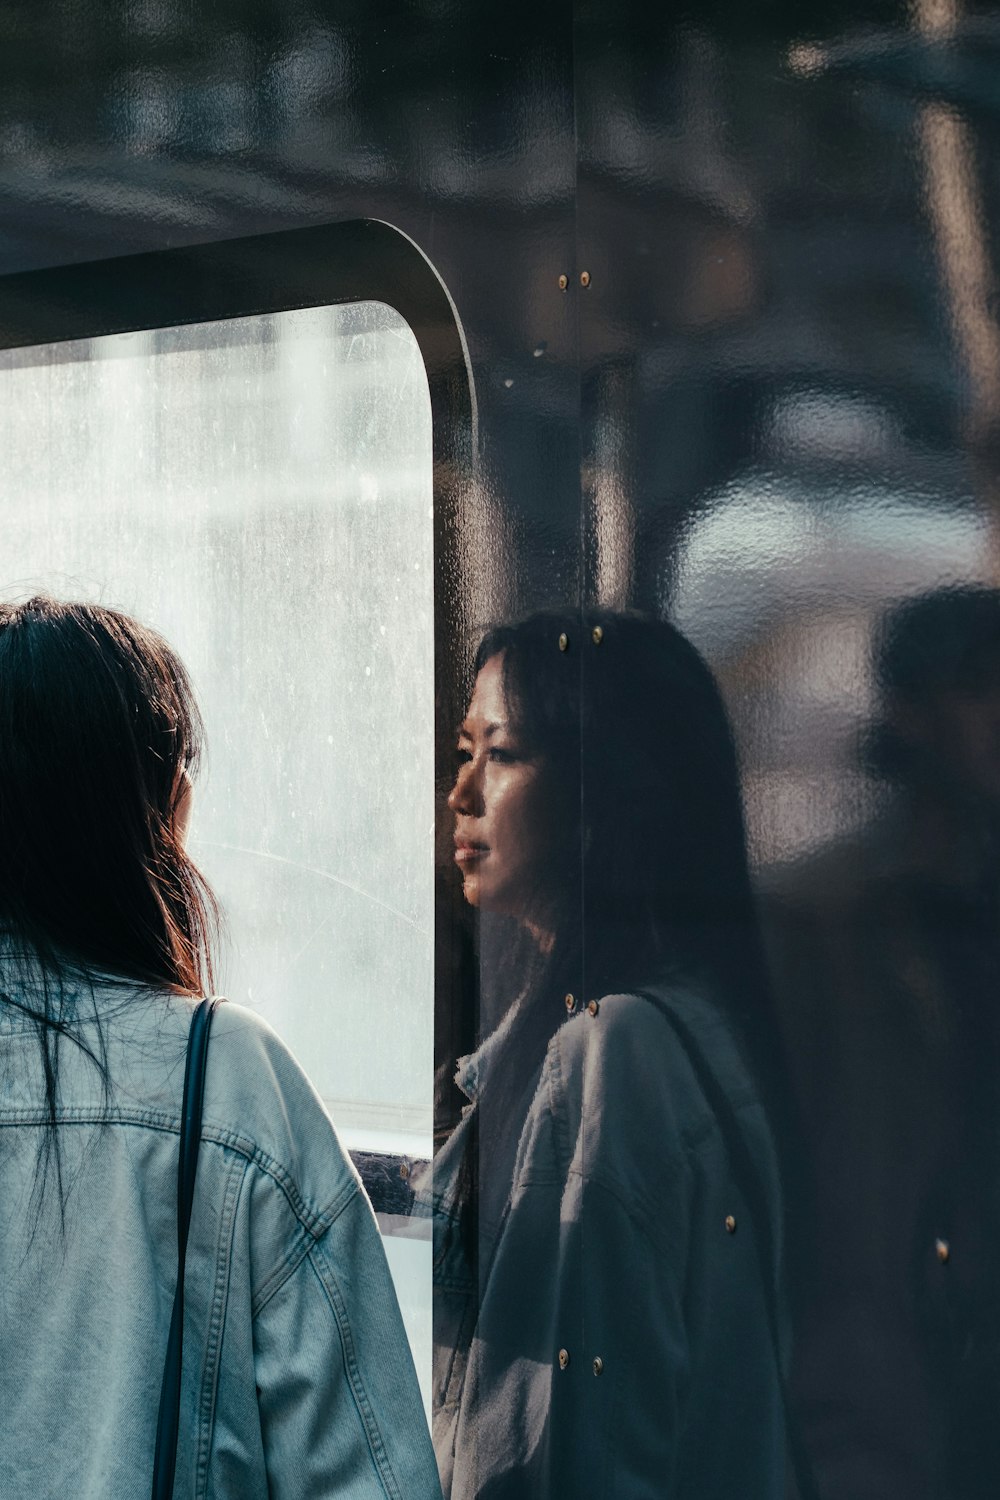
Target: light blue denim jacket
(297, 1377)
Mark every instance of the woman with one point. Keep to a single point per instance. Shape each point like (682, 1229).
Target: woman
(296, 1379)
(608, 1238)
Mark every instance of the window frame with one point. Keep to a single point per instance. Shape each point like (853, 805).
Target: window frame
(358, 260)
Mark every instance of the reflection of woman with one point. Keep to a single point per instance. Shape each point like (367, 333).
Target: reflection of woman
(606, 1293)
(296, 1375)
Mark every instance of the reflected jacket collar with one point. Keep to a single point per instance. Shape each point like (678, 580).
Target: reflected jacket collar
(472, 1070)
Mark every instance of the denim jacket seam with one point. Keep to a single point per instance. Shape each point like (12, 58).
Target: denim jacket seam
(326, 1276)
(301, 1245)
(315, 1222)
(687, 1147)
(282, 1272)
(213, 1339)
(640, 1214)
(564, 1152)
(556, 1097)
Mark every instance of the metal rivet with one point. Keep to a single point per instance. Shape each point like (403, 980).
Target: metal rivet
(563, 1358)
(584, 278)
(598, 1365)
(943, 1251)
(593, 1008)
(597, 635)
(571, 1002)
(730, 1224)
(564, 642)
(404, 1170)
(563, 282)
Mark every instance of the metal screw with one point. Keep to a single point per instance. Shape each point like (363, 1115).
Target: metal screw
(564, 642)
(593, 1008)
(571, 1002)
(563, 1358)
(597, 635)
(598, 1365)
(943, 1251)
(584, 278)
(730, 1224)
(563, 282)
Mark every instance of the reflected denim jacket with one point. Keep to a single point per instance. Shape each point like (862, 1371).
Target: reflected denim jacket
(297, 1377)
(613, 1338)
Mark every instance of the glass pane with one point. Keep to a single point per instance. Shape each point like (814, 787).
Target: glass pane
(260, 490)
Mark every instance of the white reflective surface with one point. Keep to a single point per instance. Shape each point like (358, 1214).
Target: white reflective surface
(780, 582)
(410, 1263)
(260, 490)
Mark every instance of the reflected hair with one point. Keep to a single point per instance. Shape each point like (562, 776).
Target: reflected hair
(653, 876)
(98, 723)
(651, 881)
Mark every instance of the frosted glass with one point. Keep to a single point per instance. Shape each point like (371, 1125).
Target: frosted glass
(260, 490)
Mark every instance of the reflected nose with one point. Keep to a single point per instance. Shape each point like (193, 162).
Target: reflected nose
(466, 795)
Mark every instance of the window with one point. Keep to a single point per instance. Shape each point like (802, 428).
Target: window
(260, 490)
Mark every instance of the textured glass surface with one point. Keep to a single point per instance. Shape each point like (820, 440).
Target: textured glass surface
(260, 491)
(782, 581)
(791, 423)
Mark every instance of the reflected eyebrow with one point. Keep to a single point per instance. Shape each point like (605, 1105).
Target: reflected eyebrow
(488, 730)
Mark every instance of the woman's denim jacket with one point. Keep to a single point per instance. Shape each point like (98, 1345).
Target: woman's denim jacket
(613, 1337)
(297, 1377)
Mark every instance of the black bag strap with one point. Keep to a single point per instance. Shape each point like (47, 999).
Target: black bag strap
(168, 1421)
(748, 1180)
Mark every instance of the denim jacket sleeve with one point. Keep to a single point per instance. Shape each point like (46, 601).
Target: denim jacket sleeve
(339, 1408)
(297, 1379)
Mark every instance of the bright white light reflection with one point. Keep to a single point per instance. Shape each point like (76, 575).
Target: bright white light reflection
(780, 581)
(769, 545)
(260, 490)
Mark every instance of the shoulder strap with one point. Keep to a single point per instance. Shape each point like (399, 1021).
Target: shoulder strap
(748, 1179)
(168, 1421)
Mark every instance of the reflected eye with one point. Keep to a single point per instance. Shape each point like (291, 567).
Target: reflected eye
(502, 757)
(462, 756)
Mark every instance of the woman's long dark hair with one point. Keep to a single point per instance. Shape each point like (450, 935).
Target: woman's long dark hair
(98, 723)
(652, 878)
(651, 882)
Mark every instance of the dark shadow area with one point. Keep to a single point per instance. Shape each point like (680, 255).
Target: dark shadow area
(886, 964)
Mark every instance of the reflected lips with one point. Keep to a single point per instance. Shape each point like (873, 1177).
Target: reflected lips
(467, 850)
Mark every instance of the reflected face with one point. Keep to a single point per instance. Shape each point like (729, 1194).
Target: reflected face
(503, 838)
